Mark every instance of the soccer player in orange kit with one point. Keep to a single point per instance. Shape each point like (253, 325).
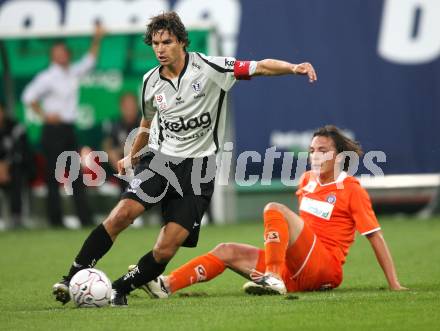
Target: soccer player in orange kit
(302, 252)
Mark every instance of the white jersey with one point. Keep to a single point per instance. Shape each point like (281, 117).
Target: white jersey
(188, 114)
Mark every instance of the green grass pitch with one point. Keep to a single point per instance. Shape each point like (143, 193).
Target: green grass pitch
(31, 261)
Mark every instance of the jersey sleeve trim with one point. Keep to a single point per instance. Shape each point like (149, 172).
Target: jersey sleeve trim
(215, 66)
(144, 87)
(371, 231)
(219, 109)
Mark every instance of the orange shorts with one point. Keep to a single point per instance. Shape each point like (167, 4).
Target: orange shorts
(308, 266)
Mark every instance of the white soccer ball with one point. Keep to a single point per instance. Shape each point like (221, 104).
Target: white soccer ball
(90, 288)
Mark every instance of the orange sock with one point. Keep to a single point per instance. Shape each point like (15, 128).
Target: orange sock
(200, 269)
(276, 240)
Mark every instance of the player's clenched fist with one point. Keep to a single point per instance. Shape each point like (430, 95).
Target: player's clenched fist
(305, 69)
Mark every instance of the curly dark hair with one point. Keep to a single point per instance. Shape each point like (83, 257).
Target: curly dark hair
(341, 141)
(169, 21)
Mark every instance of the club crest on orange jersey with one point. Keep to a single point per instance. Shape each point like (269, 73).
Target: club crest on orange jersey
(331, 198)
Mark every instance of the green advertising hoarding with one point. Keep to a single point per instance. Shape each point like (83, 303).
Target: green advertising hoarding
(122, 62)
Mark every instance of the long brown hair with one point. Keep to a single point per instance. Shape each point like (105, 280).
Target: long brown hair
(169, 21)
(341, 141)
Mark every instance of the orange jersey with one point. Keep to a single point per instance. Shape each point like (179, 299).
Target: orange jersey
(335, 210)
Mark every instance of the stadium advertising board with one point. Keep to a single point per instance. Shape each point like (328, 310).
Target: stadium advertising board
(377, 64)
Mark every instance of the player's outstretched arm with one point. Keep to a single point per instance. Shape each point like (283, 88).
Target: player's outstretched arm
(385, 259)
(271, 67)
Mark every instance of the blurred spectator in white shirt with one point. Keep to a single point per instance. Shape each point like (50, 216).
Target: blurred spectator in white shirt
(54, 94)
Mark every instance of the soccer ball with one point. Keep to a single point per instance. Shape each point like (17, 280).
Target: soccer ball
(90, 288)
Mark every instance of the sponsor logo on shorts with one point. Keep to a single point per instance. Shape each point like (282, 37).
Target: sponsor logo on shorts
(272, 237)
(134, 185)
(201, 273)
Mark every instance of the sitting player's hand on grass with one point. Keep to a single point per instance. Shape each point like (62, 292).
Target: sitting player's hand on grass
(398, 287)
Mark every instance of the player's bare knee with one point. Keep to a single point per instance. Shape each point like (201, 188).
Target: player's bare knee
(163, 254)
(225, 252)
(274, 206)
(119, 219)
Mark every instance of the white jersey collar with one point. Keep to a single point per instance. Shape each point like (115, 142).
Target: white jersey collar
(340, 179)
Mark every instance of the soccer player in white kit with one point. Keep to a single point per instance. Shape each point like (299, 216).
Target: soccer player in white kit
(184, 108)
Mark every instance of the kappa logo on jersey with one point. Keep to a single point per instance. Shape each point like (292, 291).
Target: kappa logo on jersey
(197, 86)
(331, 198)
(161, 101)
(229, 63)
(155, 82)
(272, 237)
(203, 121)
(195, 65)
(201, 273)
(318, 208)
(310, 187)
(134, 185)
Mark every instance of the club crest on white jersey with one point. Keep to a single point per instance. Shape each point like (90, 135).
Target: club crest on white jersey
(197, 87)
(161, 101)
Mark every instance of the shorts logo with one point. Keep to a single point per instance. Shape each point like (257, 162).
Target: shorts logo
(201, 273)
(135, 183)
(161, 101)
(197, 86)
(331, 198)
(272, 237)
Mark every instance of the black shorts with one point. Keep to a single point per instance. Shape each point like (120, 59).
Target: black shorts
(186, 210)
